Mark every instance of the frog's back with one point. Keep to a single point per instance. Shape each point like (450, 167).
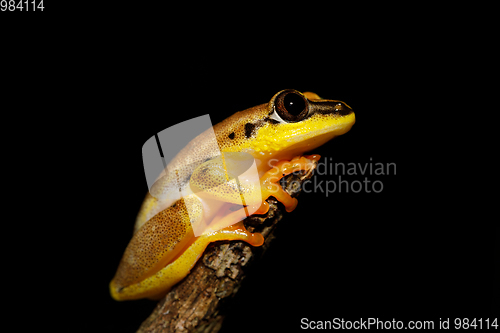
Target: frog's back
(232, 135)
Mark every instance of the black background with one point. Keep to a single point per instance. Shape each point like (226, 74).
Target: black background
(411, 252)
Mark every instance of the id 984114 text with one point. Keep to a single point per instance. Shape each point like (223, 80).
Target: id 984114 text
(21, 6)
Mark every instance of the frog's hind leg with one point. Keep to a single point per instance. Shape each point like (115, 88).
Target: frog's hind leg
(237, 231)
(269, 181)
(182, 265)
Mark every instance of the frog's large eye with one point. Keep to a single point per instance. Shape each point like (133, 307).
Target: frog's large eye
(291, 106)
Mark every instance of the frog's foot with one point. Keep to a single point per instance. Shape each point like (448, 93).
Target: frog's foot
(269, 181)
(235, 231)
(228, 225)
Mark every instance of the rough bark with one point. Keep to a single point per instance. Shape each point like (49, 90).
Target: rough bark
(194, 305)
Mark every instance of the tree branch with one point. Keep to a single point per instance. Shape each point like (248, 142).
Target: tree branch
(194, 305)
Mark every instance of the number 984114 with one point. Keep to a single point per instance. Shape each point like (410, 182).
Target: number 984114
(26, 5)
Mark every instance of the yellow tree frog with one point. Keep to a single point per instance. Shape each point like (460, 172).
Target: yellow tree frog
(164, 247)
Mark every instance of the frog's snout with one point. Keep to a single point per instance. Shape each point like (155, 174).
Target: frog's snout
(334, 107)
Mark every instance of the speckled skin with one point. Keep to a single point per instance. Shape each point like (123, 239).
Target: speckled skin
(163, 248)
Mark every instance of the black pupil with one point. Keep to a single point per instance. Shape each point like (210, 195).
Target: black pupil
(294, 104)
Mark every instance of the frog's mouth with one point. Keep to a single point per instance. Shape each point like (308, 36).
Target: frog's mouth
(290, 140)
(316, 130)
(310, 141)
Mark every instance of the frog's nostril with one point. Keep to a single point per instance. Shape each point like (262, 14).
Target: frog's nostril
(343, 109)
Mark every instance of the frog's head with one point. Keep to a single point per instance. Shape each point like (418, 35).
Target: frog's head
(295, 122)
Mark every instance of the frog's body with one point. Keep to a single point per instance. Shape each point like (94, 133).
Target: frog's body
(164, 248)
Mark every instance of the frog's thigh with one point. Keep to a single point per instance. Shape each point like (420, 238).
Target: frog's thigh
(156, 244)
(158, 285)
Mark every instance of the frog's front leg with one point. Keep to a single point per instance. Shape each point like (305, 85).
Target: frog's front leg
(269, 181)
(270, 187)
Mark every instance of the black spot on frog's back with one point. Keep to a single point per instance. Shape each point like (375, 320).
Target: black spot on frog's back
(249, 129)
(231, 136)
